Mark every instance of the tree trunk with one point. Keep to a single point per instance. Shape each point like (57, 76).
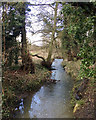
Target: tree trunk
(24, 44)
(94, 34)
(27, 63)
(4, 17)
(53, 35)
(16, 52)
(94, 42)
(3, 33)
(23, 36)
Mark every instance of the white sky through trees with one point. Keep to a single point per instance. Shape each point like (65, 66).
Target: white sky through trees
(35, 25)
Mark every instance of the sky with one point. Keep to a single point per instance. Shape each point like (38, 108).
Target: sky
(35, 25)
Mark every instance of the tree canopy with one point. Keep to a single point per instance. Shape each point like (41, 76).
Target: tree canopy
(75, 25)
(79, 35)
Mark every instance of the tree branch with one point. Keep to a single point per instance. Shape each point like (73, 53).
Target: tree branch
(39, 4)
(38, 57)
(39, 41)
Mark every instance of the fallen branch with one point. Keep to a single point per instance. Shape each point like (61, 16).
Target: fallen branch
(38, 57)
(44, 62)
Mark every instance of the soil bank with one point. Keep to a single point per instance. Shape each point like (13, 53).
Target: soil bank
(17, 85)
(85, 107)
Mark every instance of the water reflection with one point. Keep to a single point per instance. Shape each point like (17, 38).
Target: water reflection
(51, 101)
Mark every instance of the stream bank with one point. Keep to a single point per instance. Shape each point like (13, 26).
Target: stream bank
(84, 107)
(52, 100)
(17, 85)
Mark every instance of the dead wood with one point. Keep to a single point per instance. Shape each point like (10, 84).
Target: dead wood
(44, 62)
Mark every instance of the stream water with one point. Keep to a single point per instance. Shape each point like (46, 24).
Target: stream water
(52, 100)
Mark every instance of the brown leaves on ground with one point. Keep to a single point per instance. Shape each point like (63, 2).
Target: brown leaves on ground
(17, 81)
(18, 84)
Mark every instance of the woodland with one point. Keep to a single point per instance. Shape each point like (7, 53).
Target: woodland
(70, 29)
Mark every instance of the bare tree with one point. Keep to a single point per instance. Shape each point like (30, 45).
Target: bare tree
(53, 34)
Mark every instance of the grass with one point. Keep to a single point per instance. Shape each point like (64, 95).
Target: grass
(81, 102)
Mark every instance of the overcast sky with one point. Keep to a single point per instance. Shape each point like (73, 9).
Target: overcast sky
(35, 26)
